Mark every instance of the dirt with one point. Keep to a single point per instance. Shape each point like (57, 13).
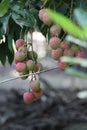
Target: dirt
(58, 109)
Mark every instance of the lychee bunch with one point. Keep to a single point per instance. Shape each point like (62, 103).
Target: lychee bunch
(62, 48)
(26, 63)
(25, 59)
(35, 92)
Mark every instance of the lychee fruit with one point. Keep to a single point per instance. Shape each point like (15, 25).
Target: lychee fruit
(21, 67)
(55, 30)
(20, 56)
(65, 45)
(35, 85)
(80, 54)
(28, 97)
(30, 65)
(56, 54)
(37, 94)
(62, 65)
(19, 43)
(32, 55)
(24, 73)
(46, 19)
(38, 67)
(41, 12)
(68, 52)
(54, 42)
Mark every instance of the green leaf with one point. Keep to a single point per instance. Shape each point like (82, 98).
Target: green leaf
(75, 72)
(66, 24)
(81, 17)
(10, 57)
(74, 40)
(81, 61)
(5, 23)
(4, 6)
(3, 53)
(10, 41)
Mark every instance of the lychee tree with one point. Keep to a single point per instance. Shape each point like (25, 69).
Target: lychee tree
(17, 18)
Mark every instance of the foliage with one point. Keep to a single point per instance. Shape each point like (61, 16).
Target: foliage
(19, 17)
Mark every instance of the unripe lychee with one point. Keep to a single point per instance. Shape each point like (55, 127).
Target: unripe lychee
(24, 73)
(80, 54)
(37, 94)
(65, 45)
(75, 48)
(56, 54)
(21, 67)
(68, 52)
(19, 43)
(23, 49)
(41, 12)
(46, 19)
(32, 55)
(30, 65)
(54, 42)
(20, 56)
(55, 30)
(62, 65)
(35, 85)
(38, 67)
(28, 97)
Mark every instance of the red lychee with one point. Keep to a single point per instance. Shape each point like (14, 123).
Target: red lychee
(20, 56)
(21, 67)
(80, 54)
(35, 85)
(41, 12)
(54, 42)
(65, 45)
(19, 43)
(55, 30)
(62, 65)
(56, 54)
(28, 97)
(68, 52)
(46, 19)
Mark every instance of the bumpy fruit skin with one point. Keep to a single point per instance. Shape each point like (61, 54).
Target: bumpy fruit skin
(56, 54)
(19, 43)
(80, 54)
(46, 20)
(21, 67)
(35, 85)
(54, 42)
(37, 95)
(55, 30)
(20, 56)
(68, 52)
(32, 55)
(28, 97)
(41, 12)
(30, 65)
(65, 45)
(38, 67)
(62, 65)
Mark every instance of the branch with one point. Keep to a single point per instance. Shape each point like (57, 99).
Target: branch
(7, 80)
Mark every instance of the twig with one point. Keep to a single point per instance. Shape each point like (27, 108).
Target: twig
(7, 80)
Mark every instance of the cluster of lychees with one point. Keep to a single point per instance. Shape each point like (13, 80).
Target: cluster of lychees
(26, 63)
(59, 48)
